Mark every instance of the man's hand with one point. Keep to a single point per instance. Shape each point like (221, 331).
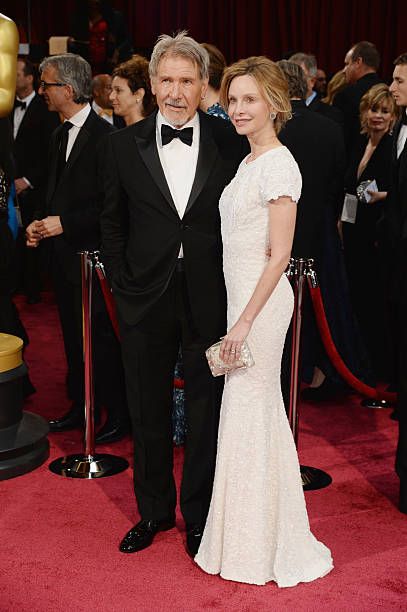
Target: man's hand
(49, 227)
(32, 235)
(21, 185)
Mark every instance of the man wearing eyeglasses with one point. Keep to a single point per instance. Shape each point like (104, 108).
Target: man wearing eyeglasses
(70, 223)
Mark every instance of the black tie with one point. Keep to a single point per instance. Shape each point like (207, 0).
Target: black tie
(168, 133)
(404, 118)
(63, 143)
(19, 103)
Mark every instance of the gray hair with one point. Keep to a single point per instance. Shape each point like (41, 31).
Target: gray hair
(72, 70)
(294, 74)
(308, 60)
(180, 45)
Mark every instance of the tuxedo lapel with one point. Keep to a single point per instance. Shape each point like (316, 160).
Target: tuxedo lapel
(79, 143)
(30, 110)
(52, 162)
(147, 146)
(207, 156)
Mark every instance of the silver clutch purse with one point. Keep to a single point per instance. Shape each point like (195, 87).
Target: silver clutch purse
(219, 367)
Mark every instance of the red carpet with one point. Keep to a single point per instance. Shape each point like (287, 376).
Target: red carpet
(59, 536)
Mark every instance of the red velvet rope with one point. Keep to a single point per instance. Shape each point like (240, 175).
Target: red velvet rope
(334, 356)
(324, 331)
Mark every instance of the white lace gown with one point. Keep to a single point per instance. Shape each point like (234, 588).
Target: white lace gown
(257, 528)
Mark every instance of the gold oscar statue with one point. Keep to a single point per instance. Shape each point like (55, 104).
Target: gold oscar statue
(8, 64)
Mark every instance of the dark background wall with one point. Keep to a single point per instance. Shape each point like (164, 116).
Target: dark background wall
(242, 27)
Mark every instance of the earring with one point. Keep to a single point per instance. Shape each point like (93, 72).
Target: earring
(273, 115)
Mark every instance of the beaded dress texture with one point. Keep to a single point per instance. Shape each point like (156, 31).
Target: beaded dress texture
(257, 528)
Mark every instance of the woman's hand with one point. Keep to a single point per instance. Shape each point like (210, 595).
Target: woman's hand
(232, 343)
(376, 196)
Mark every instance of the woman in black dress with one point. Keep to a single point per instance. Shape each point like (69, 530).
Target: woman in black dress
(370, 160)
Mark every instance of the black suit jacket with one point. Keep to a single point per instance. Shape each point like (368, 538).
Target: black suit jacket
(142, 231)
(77, 197)
(348, 101)
(30, 153)
(317, 146)
(393, 226)
(335, 114)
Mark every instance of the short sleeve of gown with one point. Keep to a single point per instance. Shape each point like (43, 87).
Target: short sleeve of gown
(279, 177)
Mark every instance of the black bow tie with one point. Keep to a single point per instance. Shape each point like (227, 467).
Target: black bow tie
(404, 118)
(22, 105)
(168, 133)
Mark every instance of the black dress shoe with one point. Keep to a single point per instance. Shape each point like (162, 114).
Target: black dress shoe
(194, 537)
(325, 392)
(70, 420)
(112, 432)
(142, 535)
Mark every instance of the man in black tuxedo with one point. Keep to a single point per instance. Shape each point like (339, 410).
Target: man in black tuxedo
(361, 64)
(32, 125)
(101, 103)
(162, 248)
(396, 232)
(308, 63)
(317, 146)
(69, 223)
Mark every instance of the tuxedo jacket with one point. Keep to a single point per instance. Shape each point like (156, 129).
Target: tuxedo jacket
(335, 114)
(348, 101)
(317, 146)
(30, 153)
(393, 226)
(77, 196)
(142, 231)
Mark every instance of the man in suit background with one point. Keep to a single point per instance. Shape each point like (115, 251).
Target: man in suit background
(396, 226)
(32, 125)
(361, 64)
(308, 63)
(70, 223)
(318, 148)
(101, 103)
(162, 248)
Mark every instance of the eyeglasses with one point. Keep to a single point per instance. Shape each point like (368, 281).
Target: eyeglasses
(44, 85)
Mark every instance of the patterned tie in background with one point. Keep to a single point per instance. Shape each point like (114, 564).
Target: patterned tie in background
(106, 111)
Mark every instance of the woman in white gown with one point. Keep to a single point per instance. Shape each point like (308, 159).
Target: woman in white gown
(257, 528)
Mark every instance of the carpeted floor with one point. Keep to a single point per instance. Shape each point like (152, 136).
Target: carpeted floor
(59, 537)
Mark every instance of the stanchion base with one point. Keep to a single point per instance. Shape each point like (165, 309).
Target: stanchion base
(313, 479)
(88, 466)
(371, 403)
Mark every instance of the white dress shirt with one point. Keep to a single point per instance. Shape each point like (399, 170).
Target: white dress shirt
(179, 161)
(401, 141)
(19, 112)
(77, 122)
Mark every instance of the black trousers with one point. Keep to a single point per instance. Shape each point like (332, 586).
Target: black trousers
(401, 455)
(150, 351)
(107, 363)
